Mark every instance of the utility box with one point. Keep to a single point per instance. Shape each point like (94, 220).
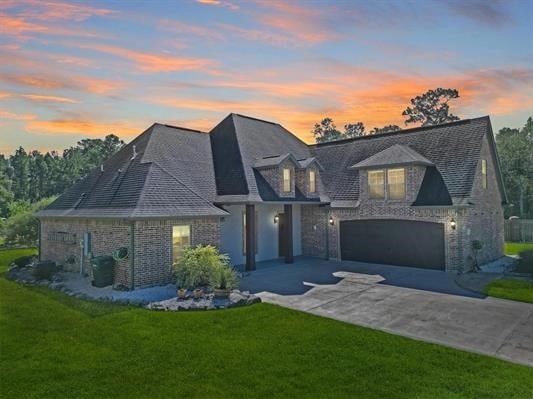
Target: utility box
(102, 270)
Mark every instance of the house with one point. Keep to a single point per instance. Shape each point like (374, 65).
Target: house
(417, 197)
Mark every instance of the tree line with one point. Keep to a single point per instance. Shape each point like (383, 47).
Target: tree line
(430, 108)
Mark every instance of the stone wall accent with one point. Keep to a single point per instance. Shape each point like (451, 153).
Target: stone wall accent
(106, 236)
(153, 246)
(484, 219)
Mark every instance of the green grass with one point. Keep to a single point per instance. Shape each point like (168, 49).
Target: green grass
(514, 248)
(508, 288)
(58, 347)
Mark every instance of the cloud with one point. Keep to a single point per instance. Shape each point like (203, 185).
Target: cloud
(82, 127)
(4, 94)
(22, 28)
(149, 62)
(259, 35)
(181, 27)
(61, 11)
(490, 13)
(44, 98)
(307, 24)
(52, 82)
(6, 114)
(221, 3)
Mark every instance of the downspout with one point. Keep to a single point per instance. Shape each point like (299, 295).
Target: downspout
(132, 256)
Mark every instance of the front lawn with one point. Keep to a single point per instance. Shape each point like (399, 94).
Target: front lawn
(514, 248)
(53, 346)
(517, 290)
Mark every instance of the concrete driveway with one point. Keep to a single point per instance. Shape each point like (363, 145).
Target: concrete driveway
(421, 304)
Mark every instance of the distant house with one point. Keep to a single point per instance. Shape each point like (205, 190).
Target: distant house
(417, 198)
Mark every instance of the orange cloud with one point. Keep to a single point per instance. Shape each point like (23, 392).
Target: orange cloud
(81, 127)
(57, 10)
(43, 98)
(304, 23)
(20, 27)
(291, 89)
(4, 94)
(148, 62)
(17, 117)
(81, 83)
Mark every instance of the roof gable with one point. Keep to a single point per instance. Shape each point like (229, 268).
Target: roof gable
(395, 155)
(453, 148)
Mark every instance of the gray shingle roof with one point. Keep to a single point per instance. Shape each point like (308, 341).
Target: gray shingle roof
(253, 139)
(171, 176)
(453, 148)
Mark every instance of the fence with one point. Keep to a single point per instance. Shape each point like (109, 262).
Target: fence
(519, 230)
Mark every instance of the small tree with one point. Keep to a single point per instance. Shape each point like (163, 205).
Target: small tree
(477, 246)
(431, 108)
(353, 130)
(326, 131)
(196, 266)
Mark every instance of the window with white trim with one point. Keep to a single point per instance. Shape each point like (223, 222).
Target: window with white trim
(181, 239)
(287, 180)
(312, 181)
(396, 183)
(376, 184)
(484, 173)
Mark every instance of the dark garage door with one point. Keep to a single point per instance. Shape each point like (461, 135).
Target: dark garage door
(393, 242)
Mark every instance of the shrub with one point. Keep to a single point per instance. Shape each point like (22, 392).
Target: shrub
(224, 278)
(197, 264)
(43, 270)
(525, 262)
(24, 261)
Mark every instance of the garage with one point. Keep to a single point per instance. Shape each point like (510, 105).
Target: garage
(393, 242)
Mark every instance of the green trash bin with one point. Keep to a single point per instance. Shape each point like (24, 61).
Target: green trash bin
(102, 270)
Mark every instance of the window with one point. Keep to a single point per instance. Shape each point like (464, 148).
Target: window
(287, 180)
(376, 184)
(244, 233)
(312, 181)
(181, 238)
(396, 183)
(484, 173)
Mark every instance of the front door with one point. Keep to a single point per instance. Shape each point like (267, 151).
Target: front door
(282, 235)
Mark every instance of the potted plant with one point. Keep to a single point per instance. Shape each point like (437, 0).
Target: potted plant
(197, 293)
(181, 293)
(223, 280)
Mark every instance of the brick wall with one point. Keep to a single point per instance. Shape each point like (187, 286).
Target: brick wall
(302, 181)
(106, 236)
(484, 219)
(152, 245)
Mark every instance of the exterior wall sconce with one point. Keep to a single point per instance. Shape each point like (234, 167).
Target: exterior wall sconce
(331, 221)
(276, 219)
(453, 224)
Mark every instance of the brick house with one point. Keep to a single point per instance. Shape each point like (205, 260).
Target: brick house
(417, 197)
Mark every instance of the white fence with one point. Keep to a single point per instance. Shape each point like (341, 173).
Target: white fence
(519, 230)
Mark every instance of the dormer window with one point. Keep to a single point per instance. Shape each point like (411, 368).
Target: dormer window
(392, 179)
(396, 183)
(287, 186)
(312, 181)
(376, 184)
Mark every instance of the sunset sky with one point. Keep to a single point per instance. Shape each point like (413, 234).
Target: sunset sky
(75, 70)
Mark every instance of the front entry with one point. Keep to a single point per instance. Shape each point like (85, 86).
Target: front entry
(285, 248)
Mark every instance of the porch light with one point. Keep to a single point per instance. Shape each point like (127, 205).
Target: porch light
(453, 224)
(331, 221)
(276, 219)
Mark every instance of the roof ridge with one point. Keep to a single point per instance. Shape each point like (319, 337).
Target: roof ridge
(253, 118)
(180, 128)
(398, 132)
